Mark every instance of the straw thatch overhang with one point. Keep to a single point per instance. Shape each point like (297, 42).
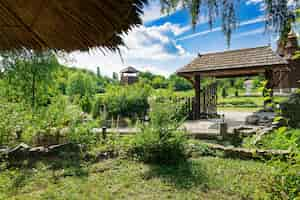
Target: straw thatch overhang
(66, 24)
(242, 62)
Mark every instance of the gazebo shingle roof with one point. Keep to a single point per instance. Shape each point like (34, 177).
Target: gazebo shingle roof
(241, 58)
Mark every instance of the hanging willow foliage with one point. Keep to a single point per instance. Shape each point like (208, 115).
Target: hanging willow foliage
(278, 13)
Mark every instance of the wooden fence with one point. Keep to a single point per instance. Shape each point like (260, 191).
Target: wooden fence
(208, 103)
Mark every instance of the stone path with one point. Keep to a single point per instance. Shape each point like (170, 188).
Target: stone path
(232, 118)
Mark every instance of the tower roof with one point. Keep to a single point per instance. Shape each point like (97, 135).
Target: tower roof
(129, 70)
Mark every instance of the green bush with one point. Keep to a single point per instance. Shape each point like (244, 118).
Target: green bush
(81, 84)
(13, 116)
(179, 84)
(291, 110)
(285, 184)
(160, 142)
(86, 104)
(197, 148)
(82, 134)
(97, 108)
(224, 92)
(283, 139)
(129, 101)
(159, 82)
(44, 123)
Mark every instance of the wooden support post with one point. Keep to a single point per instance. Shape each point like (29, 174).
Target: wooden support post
(223, 130)
(197, 97)
(204, 102)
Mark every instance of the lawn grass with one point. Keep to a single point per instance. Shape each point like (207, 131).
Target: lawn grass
(201, 178)
(239, 109)
(241, 103)
(256, 100)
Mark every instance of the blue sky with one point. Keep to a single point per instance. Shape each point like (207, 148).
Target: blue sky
(165, 43)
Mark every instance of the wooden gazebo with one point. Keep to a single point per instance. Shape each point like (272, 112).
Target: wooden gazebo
(242, 62)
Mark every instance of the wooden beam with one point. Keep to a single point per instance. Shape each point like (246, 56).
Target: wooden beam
(227, 73)
(197, 97)
(232, 72)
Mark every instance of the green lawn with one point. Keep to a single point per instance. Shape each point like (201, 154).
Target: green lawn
(201, 178)
(257, 101)
(239, 109)
(241, 103)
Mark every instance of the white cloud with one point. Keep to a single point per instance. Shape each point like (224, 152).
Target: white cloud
(217, 29)
(152, 12)
(200, 33)
(291, 2)
(147, 48)
(263, 5)
(153, 43)
(154, 70)
(248, 2)
(253, 21)
(248, 33)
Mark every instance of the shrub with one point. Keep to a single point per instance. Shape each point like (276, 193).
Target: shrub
(179, 84)
(290, 109)
(82, 133)
(97, 108)
(285, 184)
(159, 82)
(85, 104)
(160, 142)
(236, 93)
(178, 104)
(129, 101)
(81, 84)
(197, 148)
(224, 92)
(283, 139)
(12, 116)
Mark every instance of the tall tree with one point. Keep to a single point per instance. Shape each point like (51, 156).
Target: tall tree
(81, 84)
(29, 72)
(115, 76)
(98, 72)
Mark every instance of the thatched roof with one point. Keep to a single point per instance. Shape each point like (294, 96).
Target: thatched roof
(129, 70)
(241, 58)
(66, 24)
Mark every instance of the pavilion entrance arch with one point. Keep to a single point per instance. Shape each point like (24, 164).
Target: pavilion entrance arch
(236, 63)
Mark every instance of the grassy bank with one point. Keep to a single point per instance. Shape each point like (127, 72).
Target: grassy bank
(202, 178)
